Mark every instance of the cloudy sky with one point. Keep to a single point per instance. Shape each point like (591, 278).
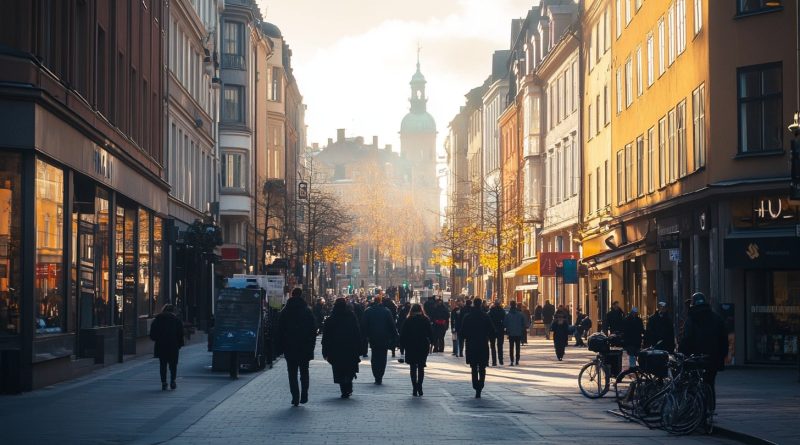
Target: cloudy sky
(353, 59)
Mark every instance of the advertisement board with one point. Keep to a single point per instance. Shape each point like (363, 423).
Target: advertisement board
(237, 320)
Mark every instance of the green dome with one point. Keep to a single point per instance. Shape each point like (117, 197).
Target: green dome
(418, 123)
(417, 77)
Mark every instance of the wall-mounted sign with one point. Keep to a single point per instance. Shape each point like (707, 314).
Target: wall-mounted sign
(103, 163)
(764, 211)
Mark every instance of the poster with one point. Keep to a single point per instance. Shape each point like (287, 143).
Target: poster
(237, 320)
(275, 291)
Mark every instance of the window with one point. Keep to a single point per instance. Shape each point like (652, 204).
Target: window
(661, 43)
(651, 147)
(650, 55)
(699, 126)
(48, 287)
(607, 30)
(592, 51)
(680, 126)
(698, 16)
(233, 171)
(673, 149)
(620, 177)
(606, 106)
(591, 122)
(598, 189)
(11, 239)
(575, 76)
(671, 30)
(607, 179)
(233, 45)
(680, 10)
(276, 86)
(662, 152)
(628, 82)
(755, 6)
(619, 17)
(596, 117)
(589, 195)
(638, 4)
(639, 82)
(640, 172)
(575, 170)
(233, 103)
(760, 109)
(619, 91)
(628, 12)
(143, 267)
(629, 173)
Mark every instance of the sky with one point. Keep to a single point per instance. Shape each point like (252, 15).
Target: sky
(353, 59)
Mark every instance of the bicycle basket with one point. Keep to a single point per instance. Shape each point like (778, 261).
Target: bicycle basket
(598, 342)
(654, 362)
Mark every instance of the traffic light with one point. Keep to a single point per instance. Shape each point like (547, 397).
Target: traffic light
(794, 191)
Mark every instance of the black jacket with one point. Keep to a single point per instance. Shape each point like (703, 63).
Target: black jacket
(378, 327)
(341, 341)
(560, 334)
(704, 333)
(402, 315)
(498, 315)
(455, 319)
(614, 321)
(440, 317)
(660, 329)
(416, 338)
(632, 331)
(167, 332)
(477, 329)
(390, 304)
(297, 331)
(548, 313)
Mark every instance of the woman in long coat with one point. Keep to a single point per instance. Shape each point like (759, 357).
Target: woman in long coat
(341, 345)
(415, 338)
(476, 329)
(560, 331)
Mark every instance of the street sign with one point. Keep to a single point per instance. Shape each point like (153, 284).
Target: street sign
(570, 273)
(675, 255)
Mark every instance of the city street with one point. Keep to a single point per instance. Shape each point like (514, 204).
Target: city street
(537, 401)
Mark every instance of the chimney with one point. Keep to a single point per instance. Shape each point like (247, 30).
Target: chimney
(330, 142)
(375, 141)
(340, 135)
(360, 140)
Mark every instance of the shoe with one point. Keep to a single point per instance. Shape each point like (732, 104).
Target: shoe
(304, 398)
(164, 386)
(346, 395)
(517, 362)
(495, 364)
(477, 393)
(419, 390)
(172, 385)
(511, 364)
(401, 360)
(415, 393)
(379, 381)
(392, 354)
(295, 402)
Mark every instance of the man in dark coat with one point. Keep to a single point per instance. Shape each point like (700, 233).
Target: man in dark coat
(614, 319)
(548, 313)
(319, 313)
(579, 328)
(560, 331)
(358, 310)
(705, 333)
(660, 332)
(497, 315)
(515, 325)
(476, 330)
(388, 301)
(415, 338)
(167, 332)
(455, 325)
(379, 329)
(440, 319)
(341, 345)
(527, 313)
(632, 332)
(402, 316)
(297, 336)
(464, 312)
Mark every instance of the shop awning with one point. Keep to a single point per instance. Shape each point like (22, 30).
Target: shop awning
(527, 267)
(607, 259)
(529, 286)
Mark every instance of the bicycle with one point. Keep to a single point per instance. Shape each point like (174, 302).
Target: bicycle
(688, 403)
(638, 389)
(594, 377)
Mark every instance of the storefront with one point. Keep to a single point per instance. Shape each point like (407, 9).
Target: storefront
(763, 252)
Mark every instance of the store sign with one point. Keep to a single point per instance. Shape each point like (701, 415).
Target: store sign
(769, 209)
(761, 252)
(103, 164)
(550, 261)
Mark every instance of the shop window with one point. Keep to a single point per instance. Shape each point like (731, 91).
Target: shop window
(48, 281)
(773, 316)
(143, 275)
(10, 241)
(158, 263)
(103, 302)
(760, 92)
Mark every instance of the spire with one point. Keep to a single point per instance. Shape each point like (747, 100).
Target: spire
(419, 48)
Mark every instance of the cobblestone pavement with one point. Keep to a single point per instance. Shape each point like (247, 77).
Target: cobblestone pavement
(536, 402)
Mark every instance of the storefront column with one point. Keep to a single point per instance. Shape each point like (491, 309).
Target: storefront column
(27, 305)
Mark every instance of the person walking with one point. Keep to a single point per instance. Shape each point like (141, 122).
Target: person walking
(515, 324)
(476, 330)
(402, 315)
(560, 330)
(441, 317)
(341, 345)
(527, 313)
(705, 333)
(319, 312)
(167, 333)
(497, 315)
(415, 339)
(548, 312)
(579, 328)
(632, 331)
(392, 306)
(464, 312)
(358, 309)
(297, 337)
(381, 333)
(614, 319)
(455, 325)
(660, 333)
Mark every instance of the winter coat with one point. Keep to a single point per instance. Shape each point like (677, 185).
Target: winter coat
(477, 329)
(440, 317)
(548, 312)
(341, 342)
(515, 323)
(402, 315)
(429, 306)
(705, 333)
(614, 321)
(167, 332)
(416, 338)
(455, 319)
(560, 334)
(660, 329)
(319, 313)
(497, 315)
(379, 328)
(390, 304)
(632, 331)
(297, 332)
(537, 313)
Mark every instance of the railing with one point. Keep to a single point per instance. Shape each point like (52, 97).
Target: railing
(233, 61)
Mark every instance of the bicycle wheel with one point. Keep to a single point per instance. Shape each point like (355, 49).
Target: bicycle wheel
(682, 412)
(593, 380)
(648, 402)
(625, 390)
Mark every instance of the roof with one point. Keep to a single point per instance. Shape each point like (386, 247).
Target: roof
(271, 30)
(418, 123)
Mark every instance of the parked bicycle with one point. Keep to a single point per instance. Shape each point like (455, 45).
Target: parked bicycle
(595, 377)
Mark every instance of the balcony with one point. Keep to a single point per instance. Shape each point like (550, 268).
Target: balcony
(233, 61)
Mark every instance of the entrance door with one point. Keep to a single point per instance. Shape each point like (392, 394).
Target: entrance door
(86, 281)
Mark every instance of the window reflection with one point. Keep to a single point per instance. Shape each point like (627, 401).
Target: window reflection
(157, 263)
(48, 291)
(144, 263)
(102, 304)
(10, 239)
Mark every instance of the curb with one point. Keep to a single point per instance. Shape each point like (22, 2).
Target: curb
(727, 433)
